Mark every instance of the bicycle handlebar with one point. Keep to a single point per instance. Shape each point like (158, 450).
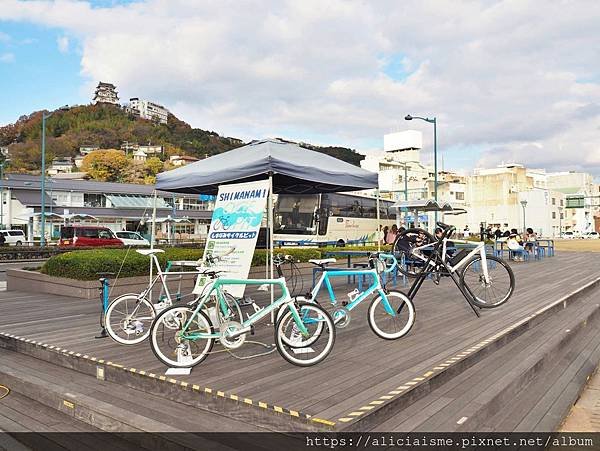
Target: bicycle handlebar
(385, 257)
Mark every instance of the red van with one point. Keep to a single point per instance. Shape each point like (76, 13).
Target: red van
(83, 235)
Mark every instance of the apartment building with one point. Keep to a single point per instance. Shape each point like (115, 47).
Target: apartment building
(148, 110)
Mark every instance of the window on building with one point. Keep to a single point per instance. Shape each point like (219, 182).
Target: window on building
(194, 204)
(94, 200)
(561, 202)
(554, 201)
(460, 195)
(562, 216)
(553, 215)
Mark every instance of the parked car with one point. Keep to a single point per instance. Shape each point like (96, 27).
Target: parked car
(591, 235)
(13, 237)
(132, 238)
(78, 235)
(570, 235)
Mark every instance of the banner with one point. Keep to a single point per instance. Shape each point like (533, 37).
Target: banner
(233, 232)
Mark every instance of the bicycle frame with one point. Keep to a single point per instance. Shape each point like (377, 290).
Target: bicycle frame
(216, 287)
(375, 286)
(479, 248)
(162, 275)
(431, 267)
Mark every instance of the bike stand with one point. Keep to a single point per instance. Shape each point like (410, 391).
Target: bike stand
(104, 285)
(178, 372)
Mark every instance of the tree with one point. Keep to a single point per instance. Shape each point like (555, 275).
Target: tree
(153, 166)
(106, 165)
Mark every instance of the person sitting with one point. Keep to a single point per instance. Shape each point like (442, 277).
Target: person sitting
(515, 244)
(531, 237)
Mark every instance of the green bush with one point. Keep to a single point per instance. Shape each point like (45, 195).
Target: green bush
(86, 264)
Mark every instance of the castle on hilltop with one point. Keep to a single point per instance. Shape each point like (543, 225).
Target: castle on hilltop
(106, 93)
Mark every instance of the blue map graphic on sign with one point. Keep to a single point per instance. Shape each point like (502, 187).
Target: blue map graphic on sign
(239, 219)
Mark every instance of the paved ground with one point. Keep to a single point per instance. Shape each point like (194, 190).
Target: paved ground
(361, 368)
(585, 414)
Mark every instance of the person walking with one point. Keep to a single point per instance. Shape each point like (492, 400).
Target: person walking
(384, 235)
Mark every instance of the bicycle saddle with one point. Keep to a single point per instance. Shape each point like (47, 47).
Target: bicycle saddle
(322, 262)
(149, 251)
(443, 226)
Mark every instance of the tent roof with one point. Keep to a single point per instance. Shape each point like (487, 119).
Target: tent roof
(295, 170)
(424, 205)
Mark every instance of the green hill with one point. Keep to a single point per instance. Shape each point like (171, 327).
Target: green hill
(108, 127)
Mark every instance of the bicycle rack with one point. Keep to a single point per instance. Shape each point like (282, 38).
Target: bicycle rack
(104, 290)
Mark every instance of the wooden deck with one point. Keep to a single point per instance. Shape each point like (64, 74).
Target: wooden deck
(360, 369)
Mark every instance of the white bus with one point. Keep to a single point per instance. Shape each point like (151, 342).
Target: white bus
(328, 219)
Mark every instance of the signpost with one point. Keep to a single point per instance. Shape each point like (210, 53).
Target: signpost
(236, 221)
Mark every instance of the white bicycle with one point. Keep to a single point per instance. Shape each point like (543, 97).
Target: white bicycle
(129, 316)
(486, 279)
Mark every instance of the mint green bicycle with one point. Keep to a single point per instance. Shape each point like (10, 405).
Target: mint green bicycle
(182, 336)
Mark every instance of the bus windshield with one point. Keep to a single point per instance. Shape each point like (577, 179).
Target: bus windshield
(295, 214)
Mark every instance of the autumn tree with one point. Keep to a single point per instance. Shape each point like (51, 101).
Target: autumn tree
(106, 165)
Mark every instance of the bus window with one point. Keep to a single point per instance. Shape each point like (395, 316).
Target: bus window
(295, 214)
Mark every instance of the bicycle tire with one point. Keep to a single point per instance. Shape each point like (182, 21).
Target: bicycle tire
(307, 342)
(138, 327)
(376, 316)
(403, 246)
(169, 316)
(473, 292)
(291, 353)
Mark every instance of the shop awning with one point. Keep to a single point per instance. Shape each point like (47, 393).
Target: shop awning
(126, 201)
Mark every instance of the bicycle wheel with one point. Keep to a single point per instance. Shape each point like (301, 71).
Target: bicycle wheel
(387, 326)
(128, 319)
(501, 283)
(310, 350)
(409, 262)
(292, 336)
(171, 346)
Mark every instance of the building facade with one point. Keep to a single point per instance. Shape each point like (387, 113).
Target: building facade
(148, 110)
(106, 93)
(118, 206)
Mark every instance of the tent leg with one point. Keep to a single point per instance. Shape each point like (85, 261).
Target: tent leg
(379, 230)
(153, 237)
(271, 228)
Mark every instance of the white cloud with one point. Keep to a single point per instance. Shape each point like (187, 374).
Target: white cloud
(63, 44)
(7, 58)
(4, 37)
(495, 75)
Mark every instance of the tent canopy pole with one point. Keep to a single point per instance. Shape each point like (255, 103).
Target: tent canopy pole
(271, 228)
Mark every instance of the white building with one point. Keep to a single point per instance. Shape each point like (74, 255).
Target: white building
(62, 165)
(148, 110)
(182, 160)
(581, 199)
(106, 93)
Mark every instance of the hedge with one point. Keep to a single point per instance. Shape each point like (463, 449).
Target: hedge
(86, 264)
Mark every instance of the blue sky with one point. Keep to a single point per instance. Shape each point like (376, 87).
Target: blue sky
(38, 75)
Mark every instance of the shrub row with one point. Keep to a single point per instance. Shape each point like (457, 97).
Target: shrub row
(86, 264)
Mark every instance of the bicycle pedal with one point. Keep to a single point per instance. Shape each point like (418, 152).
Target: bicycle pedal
(251, 329)
(344, 303)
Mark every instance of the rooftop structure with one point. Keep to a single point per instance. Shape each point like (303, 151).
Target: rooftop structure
(106, 93)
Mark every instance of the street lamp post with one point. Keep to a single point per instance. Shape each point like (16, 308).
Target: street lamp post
(524, 204)
(435, 175)
(560, 215)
